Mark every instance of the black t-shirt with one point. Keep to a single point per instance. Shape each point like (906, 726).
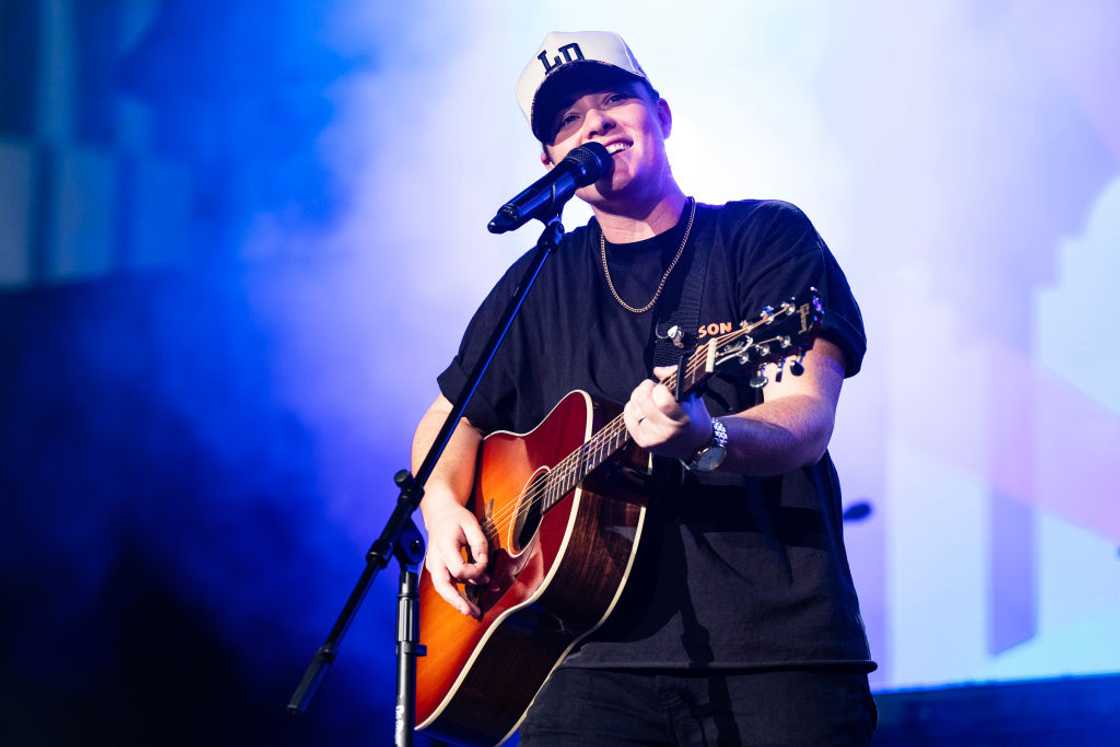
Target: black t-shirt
(733, 571)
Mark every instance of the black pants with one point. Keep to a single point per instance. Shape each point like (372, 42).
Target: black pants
(640, 707)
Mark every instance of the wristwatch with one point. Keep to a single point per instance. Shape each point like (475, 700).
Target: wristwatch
(711, 455)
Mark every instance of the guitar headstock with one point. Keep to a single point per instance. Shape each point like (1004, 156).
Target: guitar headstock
(776, 336)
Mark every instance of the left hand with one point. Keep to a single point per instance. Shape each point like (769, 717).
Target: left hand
(656, 421)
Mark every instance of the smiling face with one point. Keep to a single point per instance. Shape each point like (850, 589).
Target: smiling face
(633, 125)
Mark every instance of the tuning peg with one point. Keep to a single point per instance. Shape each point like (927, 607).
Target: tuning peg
(797, 367)
(759, 379)
(781, 363)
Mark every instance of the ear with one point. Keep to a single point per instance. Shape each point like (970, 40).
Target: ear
(546, 160)
(665, 117)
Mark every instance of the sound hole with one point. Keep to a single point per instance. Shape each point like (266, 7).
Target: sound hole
(529, 511)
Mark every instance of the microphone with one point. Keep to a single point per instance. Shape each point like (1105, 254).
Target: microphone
(546, 195)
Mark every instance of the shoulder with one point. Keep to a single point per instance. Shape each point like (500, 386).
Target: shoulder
(764, 214)
(754, 227)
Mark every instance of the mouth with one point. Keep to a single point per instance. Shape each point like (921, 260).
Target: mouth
(620, 147)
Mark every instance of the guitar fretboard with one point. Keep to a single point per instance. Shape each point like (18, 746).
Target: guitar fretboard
(606, 442)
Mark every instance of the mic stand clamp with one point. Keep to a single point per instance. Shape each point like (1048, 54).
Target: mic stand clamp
(409, 552)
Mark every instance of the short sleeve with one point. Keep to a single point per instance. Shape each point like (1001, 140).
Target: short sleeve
(781, 255)
(496, 395)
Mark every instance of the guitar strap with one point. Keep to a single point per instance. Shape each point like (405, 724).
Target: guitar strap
(686, 318)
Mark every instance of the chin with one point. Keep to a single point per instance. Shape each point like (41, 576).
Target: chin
(617, 186)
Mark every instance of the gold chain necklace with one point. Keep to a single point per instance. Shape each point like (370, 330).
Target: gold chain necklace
(664, 278)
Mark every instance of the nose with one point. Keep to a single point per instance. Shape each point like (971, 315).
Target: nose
(597, 122)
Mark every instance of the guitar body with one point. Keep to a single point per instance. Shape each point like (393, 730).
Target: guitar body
(554, 578)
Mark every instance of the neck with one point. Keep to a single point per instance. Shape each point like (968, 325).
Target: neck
(644, 219)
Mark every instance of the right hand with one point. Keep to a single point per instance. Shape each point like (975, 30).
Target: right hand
(451, 527)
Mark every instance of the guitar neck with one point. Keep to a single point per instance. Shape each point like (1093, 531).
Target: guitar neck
(612, 437)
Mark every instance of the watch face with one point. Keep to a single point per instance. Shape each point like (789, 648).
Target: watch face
(710, 459)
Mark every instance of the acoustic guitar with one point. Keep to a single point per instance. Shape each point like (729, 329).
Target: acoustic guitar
(563, 508)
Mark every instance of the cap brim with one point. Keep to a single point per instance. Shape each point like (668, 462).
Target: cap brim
(558, 89)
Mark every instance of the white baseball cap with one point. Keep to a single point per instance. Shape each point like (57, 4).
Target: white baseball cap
(567, 59)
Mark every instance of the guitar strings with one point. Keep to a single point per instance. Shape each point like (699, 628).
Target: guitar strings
(601, 444)
(563, 470)
(567, 467)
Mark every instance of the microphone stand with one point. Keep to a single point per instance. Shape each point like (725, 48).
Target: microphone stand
(401, 539)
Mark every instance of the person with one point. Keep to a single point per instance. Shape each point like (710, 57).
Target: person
(740, 624)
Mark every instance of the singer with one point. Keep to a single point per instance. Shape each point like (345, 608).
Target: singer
(738, 621)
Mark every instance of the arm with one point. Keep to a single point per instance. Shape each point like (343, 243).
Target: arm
(789, 429)
(451, 526)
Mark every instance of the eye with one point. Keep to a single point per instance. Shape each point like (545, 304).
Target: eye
(565, 121)
(617, 96)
